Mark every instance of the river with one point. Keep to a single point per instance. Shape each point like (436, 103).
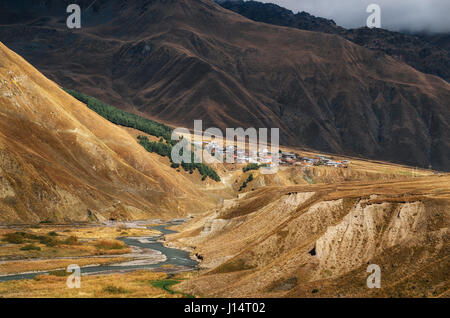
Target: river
(176, 260)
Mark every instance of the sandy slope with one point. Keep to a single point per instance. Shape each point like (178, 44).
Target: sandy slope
(289, 241)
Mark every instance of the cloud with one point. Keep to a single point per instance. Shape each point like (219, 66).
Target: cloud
(398, 15)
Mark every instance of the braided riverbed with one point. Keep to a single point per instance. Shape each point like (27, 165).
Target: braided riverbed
(148, 253)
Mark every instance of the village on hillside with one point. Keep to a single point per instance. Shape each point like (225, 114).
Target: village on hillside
(265, 157)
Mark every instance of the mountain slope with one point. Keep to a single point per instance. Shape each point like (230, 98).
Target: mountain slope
(318, 241)
(181, 60)
(60, 161)
(428, 54)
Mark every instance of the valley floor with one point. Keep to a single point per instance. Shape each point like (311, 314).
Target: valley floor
(142, 284)
(281, 236)
(116, 260)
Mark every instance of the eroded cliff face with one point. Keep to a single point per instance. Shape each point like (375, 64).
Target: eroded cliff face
(369, 230)
(323, 237)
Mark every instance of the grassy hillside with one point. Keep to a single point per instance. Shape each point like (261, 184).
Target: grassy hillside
(76, 166)
(123, 118)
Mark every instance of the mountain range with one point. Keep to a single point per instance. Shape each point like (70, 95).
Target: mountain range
(180, 60)
(77, 172)
(428, 53)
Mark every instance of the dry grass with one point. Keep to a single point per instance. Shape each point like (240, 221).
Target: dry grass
(51, 264)
(97, 232)
(110, 245)
(134, 284)
(96, 241)
(261, 248)
(13, 251)
(92, 248)
(101, 242)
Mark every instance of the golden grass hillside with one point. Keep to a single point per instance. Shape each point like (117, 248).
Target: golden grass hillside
(138, 284)
(61, 162)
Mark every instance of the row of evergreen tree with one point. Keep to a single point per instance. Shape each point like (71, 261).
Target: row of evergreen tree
(123, 118)
(249, 179)
(163, 147)
(250, 166)
(254, 166)
(160, 147)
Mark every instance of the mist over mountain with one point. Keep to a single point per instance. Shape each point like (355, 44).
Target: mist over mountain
(427, 53)
(399, 15)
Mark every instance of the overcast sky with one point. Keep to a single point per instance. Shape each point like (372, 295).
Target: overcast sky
(412, 15)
